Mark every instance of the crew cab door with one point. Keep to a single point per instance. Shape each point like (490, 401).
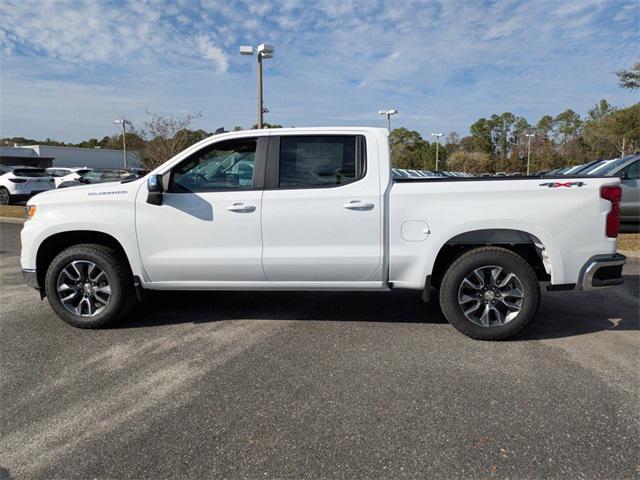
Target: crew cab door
(322, 210)
(208, 226)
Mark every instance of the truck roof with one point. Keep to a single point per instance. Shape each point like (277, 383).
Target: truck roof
(303, 130)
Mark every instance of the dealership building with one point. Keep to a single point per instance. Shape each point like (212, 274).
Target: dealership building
(45, 156)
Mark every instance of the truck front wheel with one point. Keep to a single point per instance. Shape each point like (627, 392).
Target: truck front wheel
(489, 293)
(89, 286)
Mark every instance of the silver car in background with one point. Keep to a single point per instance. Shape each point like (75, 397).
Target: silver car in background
(628, 169)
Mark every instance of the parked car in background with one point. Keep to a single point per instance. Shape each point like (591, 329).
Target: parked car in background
(585, 167)
(628, 170)
(18, 184)
(104, 175)
(598, 169)
(66, 174)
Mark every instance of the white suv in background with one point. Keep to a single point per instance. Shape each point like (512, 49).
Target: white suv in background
(18, 184)
(65, 174)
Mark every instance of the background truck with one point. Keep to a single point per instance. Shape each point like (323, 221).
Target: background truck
(319, 209)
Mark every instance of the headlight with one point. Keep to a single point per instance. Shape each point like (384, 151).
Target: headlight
(29, 212)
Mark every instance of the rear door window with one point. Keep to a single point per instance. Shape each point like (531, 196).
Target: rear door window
(312, 161)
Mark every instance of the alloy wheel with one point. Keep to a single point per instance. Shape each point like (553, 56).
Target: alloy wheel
(83, 288)
(491, 296)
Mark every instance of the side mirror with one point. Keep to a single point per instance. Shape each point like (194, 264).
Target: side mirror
(155, 188)
(624, 176)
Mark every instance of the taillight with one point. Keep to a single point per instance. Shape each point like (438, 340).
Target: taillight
(17, 180)
(614, 195)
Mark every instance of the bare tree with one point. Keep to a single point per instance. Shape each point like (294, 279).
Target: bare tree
(165, 136)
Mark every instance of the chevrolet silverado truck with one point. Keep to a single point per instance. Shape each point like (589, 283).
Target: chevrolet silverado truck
(318, 209)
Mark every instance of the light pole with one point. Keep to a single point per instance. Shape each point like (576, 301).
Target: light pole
(263, 51)
(437, 135)
(529, 136)
(388, 113)
(124, 122)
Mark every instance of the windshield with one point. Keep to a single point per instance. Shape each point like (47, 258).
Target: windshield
(612, 166)
(591, 167)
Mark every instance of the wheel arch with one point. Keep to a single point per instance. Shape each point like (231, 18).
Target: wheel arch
(524, 244)
(56, 243)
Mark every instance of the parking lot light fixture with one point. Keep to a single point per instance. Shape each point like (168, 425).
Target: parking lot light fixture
(437, 135)
(123, 123)
(262, 51)
(388, 114)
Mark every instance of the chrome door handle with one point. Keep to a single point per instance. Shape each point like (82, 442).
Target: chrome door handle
(241, 208)
(358, 205)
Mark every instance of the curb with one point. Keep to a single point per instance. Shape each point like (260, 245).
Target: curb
(11, 220)
(629, 253)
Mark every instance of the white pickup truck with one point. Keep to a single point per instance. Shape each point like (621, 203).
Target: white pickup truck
(318, 209)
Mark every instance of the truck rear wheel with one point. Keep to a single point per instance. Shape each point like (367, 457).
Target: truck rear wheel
(489, 293)
(89, 286)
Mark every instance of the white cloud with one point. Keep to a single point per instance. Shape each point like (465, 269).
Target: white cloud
(212, 52)
(442, 64)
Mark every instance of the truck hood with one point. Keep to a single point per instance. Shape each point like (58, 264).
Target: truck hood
(83, 193)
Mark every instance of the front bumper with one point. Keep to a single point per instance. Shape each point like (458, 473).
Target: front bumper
(602, 271)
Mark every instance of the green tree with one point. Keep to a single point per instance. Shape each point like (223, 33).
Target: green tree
(409, 150)
(567, 125)
(600, 110)
(482, 134)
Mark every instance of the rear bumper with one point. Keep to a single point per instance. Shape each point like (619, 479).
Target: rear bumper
(602, 271)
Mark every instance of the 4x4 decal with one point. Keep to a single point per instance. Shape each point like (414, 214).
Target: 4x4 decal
(562, 184)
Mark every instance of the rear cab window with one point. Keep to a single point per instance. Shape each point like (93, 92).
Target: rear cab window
(320, 161)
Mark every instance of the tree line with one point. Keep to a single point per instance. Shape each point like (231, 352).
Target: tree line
(500, 142)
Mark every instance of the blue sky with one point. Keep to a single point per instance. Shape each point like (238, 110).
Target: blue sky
(70, 67)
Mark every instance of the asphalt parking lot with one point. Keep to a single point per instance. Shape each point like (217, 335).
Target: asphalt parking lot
(307, 385)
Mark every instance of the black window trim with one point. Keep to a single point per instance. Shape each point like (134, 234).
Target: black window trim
(259, 166)
(272, 173)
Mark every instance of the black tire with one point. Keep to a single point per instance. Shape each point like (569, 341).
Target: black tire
(5, 197)
(488, 257)
(122, 294)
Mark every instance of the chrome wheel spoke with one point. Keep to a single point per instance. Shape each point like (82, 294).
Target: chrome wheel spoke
(484, 318)
(470, 284)
(498, 315)
(505, 281)
(495, 273)
(473, 307)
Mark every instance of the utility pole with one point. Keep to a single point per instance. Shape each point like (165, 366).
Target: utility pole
(529, 136)
(263, 51)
